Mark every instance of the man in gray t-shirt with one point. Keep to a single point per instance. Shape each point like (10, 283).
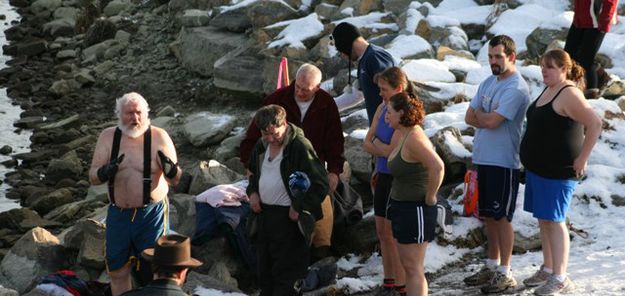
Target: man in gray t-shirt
(497, 112)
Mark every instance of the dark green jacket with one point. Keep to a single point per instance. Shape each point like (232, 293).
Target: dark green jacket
(298, 155)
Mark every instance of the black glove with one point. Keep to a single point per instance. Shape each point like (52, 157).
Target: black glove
(108, 171)
(170, 169)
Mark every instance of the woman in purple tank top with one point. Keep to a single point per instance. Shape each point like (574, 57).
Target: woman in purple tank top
(379, 142)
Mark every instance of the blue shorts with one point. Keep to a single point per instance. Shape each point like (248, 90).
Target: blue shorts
(412, 222)
(381, 195)
(497, 189)
(548, 199)
(130, 231)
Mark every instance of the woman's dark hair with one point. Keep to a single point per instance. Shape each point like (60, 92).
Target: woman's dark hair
(396, 77)
(561, 58)
(412, 107)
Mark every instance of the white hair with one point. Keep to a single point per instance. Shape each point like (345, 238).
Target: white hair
(309, 71)
(130, 97)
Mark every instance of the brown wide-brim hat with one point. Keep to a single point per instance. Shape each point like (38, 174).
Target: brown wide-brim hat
(172, 250)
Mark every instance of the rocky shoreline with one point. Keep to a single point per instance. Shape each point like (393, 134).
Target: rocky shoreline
(72, 58)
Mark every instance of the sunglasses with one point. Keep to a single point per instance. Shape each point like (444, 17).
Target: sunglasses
(331, 40)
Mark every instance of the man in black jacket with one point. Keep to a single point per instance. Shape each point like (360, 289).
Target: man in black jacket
(171, 260)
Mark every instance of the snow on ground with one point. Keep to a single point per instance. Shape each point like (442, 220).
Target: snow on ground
(297, 31)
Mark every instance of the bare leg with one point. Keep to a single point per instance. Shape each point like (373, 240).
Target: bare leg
(545, 243)
(390, 258)
(492, 234)
(506, 240)
(558, 237)
(412, 258)
(120, 280)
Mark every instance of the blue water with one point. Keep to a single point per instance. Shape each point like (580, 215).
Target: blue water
(8, 114)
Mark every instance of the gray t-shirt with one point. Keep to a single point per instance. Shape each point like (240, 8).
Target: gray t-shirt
(509, 98)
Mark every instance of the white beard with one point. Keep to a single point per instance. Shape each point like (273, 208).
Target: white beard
(132, 131)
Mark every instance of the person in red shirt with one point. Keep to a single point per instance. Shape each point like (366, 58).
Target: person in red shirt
(592, 19)
(314, 110)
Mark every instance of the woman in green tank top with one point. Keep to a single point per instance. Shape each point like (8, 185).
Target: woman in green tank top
(417, 174)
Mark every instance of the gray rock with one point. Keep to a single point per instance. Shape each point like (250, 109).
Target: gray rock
(97, 192)
(229, 147)
(63, 87)
(359, 160)
(103, 68)
(448, 141)
(66, 54)
(102, 29)
(60, 27)
(205, 128)
(220, 271)
(8, 292)
(194, 18)
(96, 51)
(68, 213)
(325, 10)
(84, 77)
(195, 280)
(80, 142)
(37, 253)
(115, 7)
(122, 36)
(69, 166)
(206, 174)
(264, 13)
(199, 48)
(361, 7)
(614, 90)
(233, 20)
(6, 150)
(92, 247)
(23, 219)
(61, 123)
(168, 111)
(40, 6)
(397, 7)
(524, 244)
(66, 13)
(540, 38)
(182, 213)
(32, 47)
(360, 236)
(48, 202)
(28, 122)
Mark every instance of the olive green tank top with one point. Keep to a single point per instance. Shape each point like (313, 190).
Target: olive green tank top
(409, 178)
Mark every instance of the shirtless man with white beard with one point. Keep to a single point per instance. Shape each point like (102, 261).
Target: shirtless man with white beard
(138, 213)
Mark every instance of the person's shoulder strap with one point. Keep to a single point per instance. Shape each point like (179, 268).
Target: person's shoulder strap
(147, 165)
(117, 138)
(566, 86)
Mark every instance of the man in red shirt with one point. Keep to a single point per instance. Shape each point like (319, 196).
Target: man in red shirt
(314, 110)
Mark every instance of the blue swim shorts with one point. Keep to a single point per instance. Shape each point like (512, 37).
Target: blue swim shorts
(548, 199)
(130, 231)
(412, 222)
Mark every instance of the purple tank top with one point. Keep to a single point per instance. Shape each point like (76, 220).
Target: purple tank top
(384, 133)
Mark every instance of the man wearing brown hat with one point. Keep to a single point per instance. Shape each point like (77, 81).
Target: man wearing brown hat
(371, 58)
(171, 260)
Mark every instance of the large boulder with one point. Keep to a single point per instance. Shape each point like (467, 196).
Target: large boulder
(397, 7)
(197, 49)
(229, 147)
(264, 13)
(233, 19)
(182, 213)
(194, 18)
(205, 128)
(50, 201)
(45, 6)
(60, 27)
(538, 41)
(69, 166)
(23, 219)
(206, 174)
(92, 246)
(449, 146)
(359, 160)
(36, 254)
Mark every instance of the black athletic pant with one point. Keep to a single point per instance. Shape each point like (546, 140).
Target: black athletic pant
(583, 44)
(282, 252)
